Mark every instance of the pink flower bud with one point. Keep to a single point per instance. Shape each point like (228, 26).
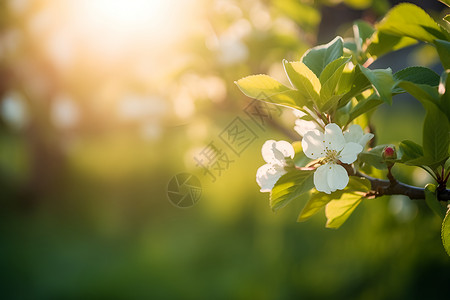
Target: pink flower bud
(389, 153)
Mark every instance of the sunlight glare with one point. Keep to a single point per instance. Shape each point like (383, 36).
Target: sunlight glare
(113, 28)
(127, 17)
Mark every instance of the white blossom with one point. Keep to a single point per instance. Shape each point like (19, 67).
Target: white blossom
(303, 126)
(356, 134)
(333, 147)
(275, 154)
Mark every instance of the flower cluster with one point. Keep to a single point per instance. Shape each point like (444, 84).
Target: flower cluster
(331, 148)
(276, 155)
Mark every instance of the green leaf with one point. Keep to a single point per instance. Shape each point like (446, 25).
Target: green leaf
(292, 99)
(346, 81)
(444, 93)
(429, 97)
(332, 68)
(307, 118)
(364, 106)
(424, 93)
(410, 151)
(256, 86)
(443, 49)
(319, 57)
(418, 75)
(338, 211)
(315, 203)
(358, 184)
(350, 45)
(328, 97)
(433, 202)
(447, 165)
(445, 233)
(436, 138)
(303, 79)
(410, 20)
(330, 103)
(436, 128)
(318, 200)
(264, 87)
(362, 30)
(374, 157)
(382, 43)
(359, 83)
(342, 117)
(382, 82)
(289, 187)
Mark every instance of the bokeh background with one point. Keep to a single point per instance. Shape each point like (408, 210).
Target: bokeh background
(102, 102)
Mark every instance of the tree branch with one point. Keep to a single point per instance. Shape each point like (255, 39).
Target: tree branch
(379, 187)
(393, 187)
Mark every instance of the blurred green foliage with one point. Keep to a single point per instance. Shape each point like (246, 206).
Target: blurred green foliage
(84, 210)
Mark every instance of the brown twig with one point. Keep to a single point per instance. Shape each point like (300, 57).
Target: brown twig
(387, 187)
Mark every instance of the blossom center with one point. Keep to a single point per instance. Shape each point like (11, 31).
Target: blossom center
(331, 156)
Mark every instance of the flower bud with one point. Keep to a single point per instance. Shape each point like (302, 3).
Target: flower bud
(389, 153)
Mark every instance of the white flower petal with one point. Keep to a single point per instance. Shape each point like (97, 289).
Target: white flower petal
(276, 152)
(267, 151)
(354, 134)
(303, 126)
(350, 152)
(312, 144)
(267, 175)
(285, 148)
(337, 177)
(298, 113)
(334, 139)
(321, 179)
(365, 138)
